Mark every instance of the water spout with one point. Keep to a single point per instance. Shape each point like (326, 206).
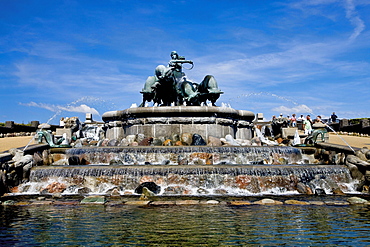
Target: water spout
(263, 138)
(43, 126)
(297, 139)
(339, 136)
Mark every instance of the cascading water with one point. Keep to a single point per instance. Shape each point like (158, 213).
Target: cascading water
(190, 180)
(231, 171)
(192, 155)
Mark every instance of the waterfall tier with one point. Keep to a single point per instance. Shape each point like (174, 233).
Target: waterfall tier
(192, 155)
(190, 180)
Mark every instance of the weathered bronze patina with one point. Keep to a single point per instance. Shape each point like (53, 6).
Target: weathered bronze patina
(169, 86)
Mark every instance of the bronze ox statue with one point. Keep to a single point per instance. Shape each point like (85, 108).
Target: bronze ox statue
(169, 86)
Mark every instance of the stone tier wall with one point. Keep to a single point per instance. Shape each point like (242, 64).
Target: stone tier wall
(166, 121)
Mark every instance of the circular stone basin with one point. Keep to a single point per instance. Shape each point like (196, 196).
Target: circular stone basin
(178, 111)
(167, 120)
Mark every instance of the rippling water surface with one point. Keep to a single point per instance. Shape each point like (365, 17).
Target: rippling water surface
(184, 225)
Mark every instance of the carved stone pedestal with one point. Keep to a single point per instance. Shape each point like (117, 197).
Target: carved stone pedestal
(167, 120)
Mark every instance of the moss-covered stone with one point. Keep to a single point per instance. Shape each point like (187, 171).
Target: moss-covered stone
(93, 200)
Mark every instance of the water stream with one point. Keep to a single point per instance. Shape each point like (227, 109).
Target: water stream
(47, 122)
(339, 136)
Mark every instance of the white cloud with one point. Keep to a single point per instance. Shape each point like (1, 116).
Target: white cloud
(355, 20)
(313, 8)
(80, 109)
(52, 108)
(302, 109)
(70, 108)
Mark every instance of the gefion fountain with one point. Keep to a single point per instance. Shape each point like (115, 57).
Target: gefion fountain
(183, 146)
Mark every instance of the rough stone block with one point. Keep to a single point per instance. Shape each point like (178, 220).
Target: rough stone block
(115, 133)
(243, 133)
(88, 118)
(137, 203)
(61, 131)
(163, 130)
(288, 132)
(259, 116)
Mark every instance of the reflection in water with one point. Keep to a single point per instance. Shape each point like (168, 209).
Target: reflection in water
(184, 225)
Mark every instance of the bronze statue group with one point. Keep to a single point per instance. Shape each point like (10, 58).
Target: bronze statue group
(169, 86)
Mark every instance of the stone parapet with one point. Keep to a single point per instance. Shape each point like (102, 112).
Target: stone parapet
(164, 121)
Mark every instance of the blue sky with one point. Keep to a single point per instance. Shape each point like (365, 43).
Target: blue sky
(66, 58)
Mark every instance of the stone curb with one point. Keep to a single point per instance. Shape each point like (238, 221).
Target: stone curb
(101, 200)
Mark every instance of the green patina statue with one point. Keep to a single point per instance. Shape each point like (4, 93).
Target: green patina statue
(49, 138)
(316, 136)
(170, 86)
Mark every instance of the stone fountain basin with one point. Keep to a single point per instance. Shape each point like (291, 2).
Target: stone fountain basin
(166, 120)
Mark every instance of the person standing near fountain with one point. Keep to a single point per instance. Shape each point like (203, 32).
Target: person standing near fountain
(333, 118)
(318, 119)
(307, 125)
(293, 120)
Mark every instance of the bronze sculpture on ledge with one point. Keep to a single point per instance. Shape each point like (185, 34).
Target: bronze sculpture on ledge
(170, 86)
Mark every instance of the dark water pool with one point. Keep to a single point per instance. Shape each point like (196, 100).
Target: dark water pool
(199, 225)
